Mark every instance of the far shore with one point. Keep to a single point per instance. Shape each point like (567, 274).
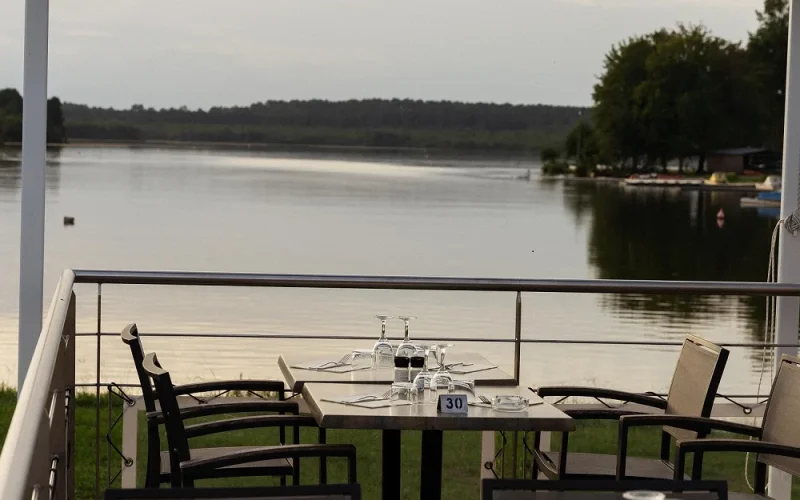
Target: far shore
(289, 148)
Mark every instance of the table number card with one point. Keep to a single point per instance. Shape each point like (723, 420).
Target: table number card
(452, 403)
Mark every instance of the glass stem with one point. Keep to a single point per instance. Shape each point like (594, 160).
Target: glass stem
(383, 330)
(406, 339)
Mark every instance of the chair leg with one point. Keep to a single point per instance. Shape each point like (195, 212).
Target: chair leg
(537, 441)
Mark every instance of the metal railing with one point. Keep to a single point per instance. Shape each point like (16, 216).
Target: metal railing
(36, 460)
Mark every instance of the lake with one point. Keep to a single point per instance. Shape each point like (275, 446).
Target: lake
(242, 211)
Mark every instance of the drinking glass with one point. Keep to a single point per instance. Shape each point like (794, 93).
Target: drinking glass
(403, 391)
(361, 357)
(382, 351)
(442, 379)
(406, 349)
(423, 379)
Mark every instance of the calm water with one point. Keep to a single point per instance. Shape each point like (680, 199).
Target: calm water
(257, 212)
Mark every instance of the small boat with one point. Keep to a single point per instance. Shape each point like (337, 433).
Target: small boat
(717, 179)
(765, 199)
(771, 183)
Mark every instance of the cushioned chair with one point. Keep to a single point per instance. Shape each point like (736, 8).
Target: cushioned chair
(188, 464)
(158, 465)
(776, 443)
(692, 392)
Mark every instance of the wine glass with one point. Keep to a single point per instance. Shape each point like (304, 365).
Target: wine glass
(406, 349)
(423, 379)
(382, 351)
(442, 379)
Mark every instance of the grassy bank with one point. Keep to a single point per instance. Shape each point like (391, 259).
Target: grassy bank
(461, 453)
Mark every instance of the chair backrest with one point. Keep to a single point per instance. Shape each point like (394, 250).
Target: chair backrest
(782, 415)
(311, 492)
(695, 382)
(173, 422)
(596, 489)
(130, 335)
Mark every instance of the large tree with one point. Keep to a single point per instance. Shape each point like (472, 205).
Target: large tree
(617, 114)
(674, 94)
(768, 49)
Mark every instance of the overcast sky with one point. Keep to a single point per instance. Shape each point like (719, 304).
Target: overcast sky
(201, 53)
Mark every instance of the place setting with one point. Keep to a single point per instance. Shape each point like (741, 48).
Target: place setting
(385, 356)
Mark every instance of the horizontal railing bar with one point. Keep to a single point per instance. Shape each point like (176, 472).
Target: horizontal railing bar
(662, 394)
(435, 283)
(457, 339)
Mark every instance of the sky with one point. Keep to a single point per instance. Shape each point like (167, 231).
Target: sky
(202, 53)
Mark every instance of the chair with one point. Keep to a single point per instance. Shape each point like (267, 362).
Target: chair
(315, 492)
(188, 465)
(596, 489)
(692, 391)
(776, 443)
(158, 467)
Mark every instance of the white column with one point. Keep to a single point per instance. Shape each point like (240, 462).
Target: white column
(780, 483)
(34, 137)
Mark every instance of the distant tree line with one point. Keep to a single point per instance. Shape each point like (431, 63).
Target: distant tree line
(11, 118)
(676, 94)
(370, 122)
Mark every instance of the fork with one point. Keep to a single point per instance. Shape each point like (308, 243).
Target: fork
(484, 399)
(372, 397)
(333, 364)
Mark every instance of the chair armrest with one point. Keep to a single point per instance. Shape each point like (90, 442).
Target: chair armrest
(596, 392)
(598, 413)
(201, 465)
(740, 445)
(262, 421)
(206, 410)
(702, 426)
(698, 424)
(232, 385)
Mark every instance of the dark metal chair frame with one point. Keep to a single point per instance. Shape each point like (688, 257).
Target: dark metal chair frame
(777, 425)
(351, 491)
(490, 486)
(154, 476)
(560, 471)
(184, 470)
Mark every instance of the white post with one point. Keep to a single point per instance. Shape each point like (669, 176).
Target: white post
(34, 149)
(788, 308)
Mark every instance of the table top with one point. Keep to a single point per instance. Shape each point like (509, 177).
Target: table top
(296, 377)
(542, 417)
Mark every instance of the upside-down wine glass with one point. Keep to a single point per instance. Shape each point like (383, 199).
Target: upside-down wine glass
(406, 349)
(382, 351)
(442, 379)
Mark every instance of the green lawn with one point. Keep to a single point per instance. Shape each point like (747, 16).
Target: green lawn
(461, 453)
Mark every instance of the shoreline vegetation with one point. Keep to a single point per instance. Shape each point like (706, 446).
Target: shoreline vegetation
(664, 102)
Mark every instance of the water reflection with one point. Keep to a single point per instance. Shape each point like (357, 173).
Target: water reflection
(669, 234)
(11, 169)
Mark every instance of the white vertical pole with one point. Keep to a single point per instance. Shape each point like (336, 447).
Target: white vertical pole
(788, 308)
(34, 145)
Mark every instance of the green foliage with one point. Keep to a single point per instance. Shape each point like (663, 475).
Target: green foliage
(11, 118)
(555, 168)
(674, 94)
(549, 154)
(366, 123)
(767, 49)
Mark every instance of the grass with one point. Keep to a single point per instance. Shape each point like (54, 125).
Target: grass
(461, 453)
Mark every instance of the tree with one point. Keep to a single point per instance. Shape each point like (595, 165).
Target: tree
(55, 121)
(616, 115)
(549, 154)
(581, 145)
(768, 49)
(675, 94)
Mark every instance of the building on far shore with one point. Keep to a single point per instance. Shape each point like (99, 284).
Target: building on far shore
(737, 160)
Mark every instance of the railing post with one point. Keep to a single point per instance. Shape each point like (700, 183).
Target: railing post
(517, 336)
(69, 400)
